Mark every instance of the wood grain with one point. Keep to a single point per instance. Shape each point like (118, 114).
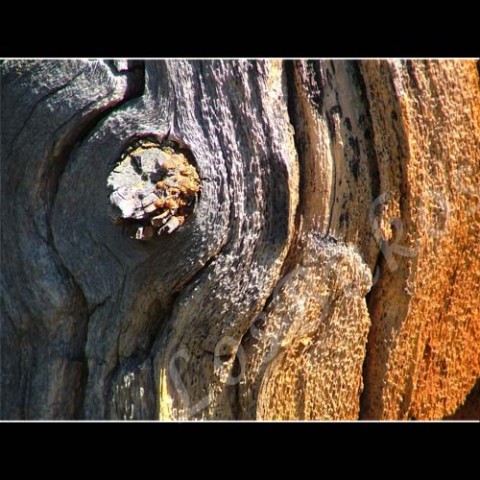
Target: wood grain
(333, 244)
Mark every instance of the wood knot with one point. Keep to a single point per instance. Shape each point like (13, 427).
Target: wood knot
(154, 187)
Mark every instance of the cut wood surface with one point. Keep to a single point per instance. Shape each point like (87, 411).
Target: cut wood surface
(329, 270)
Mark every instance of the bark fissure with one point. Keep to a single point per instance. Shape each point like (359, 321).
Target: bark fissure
(375, 192)
(366, 122)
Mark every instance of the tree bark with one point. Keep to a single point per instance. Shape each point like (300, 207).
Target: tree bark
(330, 268)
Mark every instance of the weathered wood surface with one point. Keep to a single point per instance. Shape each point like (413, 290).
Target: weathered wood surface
(330, 269)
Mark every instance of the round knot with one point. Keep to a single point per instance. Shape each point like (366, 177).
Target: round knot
(154, 188)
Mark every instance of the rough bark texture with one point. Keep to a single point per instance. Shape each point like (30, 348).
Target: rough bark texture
(330, 269)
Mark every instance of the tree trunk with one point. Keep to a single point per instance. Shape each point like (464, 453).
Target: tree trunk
(329, 267)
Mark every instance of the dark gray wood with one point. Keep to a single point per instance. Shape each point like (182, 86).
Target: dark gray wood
(85, 308)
